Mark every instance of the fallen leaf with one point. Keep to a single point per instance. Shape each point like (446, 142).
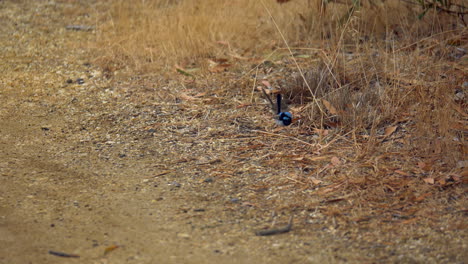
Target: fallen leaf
(442, 182)
(220, 68)
(422, 165)
(456, 178)
(422, 197)
(429, 180)
(333, 124)
(110, 249)
(218, 60)
(315, 181)
(363, 219)
(163, 173)
(335, 161)
(239, 57)
(389, 131)
(267, 84)
(183, 71)
(334, 200)
(409, 221)
(243, 105)
(266, 91)
(248, 204)
(212, 63)
(329, 107)
(297, 109)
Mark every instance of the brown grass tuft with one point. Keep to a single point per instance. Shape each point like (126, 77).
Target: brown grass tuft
(148, 35)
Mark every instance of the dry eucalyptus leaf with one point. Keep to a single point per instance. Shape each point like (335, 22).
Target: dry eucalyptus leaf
(329, 107)
(389, 131)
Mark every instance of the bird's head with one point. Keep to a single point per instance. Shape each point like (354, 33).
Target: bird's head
(284, 118)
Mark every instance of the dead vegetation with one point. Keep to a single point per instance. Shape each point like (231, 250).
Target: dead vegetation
(379, 98)
(164, 126)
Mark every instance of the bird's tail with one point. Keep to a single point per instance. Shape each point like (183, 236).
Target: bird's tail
(278, 103)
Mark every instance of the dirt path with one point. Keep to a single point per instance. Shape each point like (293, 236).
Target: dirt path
(75, 179)
(85, 166)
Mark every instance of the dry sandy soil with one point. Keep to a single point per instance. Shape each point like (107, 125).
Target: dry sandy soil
(86, 165)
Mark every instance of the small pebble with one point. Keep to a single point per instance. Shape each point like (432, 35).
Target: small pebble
(175, 184)
(277, 245)
(183, 235)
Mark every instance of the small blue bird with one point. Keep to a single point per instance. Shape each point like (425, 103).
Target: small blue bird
(284, 118)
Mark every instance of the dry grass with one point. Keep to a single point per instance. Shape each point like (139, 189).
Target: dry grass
(379, 67)
(389, 89)
(151, 34)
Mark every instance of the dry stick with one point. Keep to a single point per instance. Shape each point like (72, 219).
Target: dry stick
(333, 140)
(254, 84)
(269, 99)
(276, 231)
(62, 254)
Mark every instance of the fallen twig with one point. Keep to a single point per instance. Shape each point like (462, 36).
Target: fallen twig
(79, 27)
(275, 231)
(63, 255)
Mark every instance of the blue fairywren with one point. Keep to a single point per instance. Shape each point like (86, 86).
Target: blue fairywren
(284, 118)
